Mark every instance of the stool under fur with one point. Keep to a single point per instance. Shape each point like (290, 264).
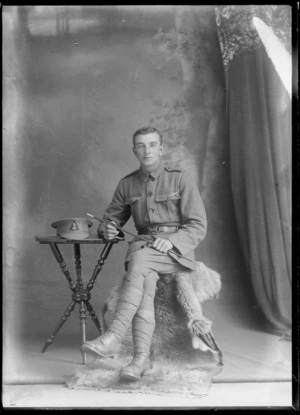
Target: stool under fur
(188, 290)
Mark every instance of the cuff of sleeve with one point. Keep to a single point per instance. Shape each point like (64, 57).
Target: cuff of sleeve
(173, 241)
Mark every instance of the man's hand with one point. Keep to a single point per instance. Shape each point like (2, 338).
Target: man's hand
(162, 245)
(108, 230)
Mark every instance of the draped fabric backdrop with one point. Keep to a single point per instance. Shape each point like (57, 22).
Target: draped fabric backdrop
(78, 80)
(259, 122)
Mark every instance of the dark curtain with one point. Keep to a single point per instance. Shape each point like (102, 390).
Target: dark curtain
(259, 122)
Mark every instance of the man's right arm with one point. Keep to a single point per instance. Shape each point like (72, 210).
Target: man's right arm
(117, 212)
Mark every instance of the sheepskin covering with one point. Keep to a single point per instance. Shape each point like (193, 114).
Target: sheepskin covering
(181, 363)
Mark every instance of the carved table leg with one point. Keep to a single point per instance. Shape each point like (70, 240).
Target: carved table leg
(98, 267)
(93, 316)
(62, 265)
(59, 326)
(79, 283)
(82, 326)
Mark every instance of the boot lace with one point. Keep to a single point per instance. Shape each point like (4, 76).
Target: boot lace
(106, 336)
(139, 359)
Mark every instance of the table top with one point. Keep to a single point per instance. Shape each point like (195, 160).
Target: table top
(91, 239)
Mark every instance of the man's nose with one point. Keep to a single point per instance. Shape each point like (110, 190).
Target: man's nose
(147, 149)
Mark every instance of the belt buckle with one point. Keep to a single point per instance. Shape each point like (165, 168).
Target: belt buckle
(152, 229)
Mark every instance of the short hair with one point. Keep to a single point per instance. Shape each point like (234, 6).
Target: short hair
(147, 130)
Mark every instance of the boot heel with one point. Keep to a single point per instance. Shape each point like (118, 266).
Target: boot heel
(136, 368)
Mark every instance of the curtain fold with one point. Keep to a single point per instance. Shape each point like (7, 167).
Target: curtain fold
(259, 122)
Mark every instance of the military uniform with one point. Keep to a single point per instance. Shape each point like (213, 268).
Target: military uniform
(167, 198)
(165, 204)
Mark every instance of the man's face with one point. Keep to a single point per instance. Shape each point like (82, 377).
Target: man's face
(148, 150)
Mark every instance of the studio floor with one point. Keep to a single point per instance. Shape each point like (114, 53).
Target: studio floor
(256, 372)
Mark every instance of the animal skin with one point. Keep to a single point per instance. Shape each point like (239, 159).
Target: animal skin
(179, 296)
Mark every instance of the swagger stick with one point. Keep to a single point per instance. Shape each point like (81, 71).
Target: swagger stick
(192, 264)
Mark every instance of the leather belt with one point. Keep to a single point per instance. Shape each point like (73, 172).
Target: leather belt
(153, 229)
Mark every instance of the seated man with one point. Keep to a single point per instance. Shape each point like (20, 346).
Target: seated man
(164, 202)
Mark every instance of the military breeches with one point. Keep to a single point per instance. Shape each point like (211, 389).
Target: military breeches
(136, 301)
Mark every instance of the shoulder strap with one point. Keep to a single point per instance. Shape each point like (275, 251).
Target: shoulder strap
(173, 168)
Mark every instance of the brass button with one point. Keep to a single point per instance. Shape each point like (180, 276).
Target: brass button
(150, 194)
(150, 210)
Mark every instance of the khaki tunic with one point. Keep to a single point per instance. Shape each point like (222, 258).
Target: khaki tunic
(166, 196)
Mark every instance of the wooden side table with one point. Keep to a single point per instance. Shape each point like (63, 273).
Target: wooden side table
(80, 295)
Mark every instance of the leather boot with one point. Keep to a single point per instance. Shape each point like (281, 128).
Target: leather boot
(136, 367)
(106, 345)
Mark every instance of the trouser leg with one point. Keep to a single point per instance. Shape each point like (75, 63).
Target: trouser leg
(143, 323)
(141, 264)
(128, 302)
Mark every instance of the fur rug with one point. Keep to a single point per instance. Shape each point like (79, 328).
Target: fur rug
(182, 364)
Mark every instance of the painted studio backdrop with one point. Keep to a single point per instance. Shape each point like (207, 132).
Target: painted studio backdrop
(78, 81)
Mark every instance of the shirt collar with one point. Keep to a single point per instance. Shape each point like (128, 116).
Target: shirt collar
(154, 174)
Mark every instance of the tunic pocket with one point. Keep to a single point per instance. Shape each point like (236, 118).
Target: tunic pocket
(170, 203)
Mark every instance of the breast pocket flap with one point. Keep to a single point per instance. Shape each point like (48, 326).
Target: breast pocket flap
(164, 197)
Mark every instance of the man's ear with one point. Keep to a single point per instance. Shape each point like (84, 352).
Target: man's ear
(134, 151)
(161, 149)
